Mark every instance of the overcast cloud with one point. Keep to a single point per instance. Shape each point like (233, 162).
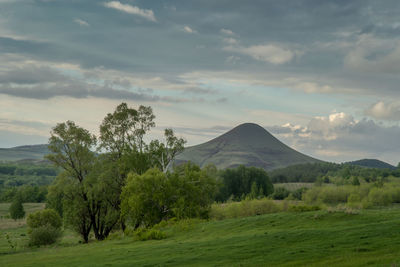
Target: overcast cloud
(207, 63)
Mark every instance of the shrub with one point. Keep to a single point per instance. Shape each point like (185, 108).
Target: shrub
(334, 195)
(379, 197)
(297, 194)
(353, 198)
(16, 209)
(344, 209)
(44, 235)
(144, 234)
(303, 208)
(44, 227)
(47, 217)
(244, 208)
(280, 193)
(147, 199)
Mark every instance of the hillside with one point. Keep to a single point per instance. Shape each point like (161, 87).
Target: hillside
(372, 163)
(33, 152)
(248, 144)
(281, 239)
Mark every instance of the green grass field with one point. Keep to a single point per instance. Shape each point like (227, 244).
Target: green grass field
(319, 238)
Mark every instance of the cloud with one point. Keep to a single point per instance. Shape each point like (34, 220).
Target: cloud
(230, 40)
(384, 111)
(267, 53)
(40, 82)
(376, 55)
(134, 10)
(227, 32)
(81, 22)
(189, 30)
(199, 90)
(340, 137)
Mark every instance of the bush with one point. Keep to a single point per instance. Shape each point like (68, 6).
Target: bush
(354, 200)
(280, 193)
(327, 194)
(44, 227)
(244, 208)
(147, 199)
(303, 208)
(144, 234)
(44, 235)
(47, 217)
(16, 209)
(379, 197)
(298, 193)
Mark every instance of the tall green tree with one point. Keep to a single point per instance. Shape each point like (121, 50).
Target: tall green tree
(71, 149)
(17, 209)
(121, 139)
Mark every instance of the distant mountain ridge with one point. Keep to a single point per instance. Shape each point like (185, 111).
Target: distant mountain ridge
(247, 144)
(372, 163)
(29, 152)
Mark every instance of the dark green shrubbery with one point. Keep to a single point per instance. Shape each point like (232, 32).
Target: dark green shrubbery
(44, 227)
(144, 234)
(16, 209)
(244, 181)
(303, 208)
(147, 199)
(280, 193)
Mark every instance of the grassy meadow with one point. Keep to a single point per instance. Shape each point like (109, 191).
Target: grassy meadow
(331, 237)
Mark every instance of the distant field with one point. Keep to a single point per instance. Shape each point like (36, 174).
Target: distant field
(8, 223)
(318, 238)
(293, 186)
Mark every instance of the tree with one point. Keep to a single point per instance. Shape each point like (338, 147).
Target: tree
(121, 138)
(124, 129)
(71, 149)
(280, 193)
(355, 181)
(164, 153)
(237, 182)
(154, 196)
(17, 209)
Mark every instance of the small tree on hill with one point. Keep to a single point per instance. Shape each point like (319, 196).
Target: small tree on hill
(16, 209)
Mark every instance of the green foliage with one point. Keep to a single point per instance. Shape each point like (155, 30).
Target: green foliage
(44, 235)
(144, 234)
(243, 208)
(238, 182)
(322, 172)
(16, 209)
(355, 181)
(164, 153)
(303, 208)
(154, 196)
(280, 193)
(70, 147)
(27, 179)
(366, 195)
(298, 193)
(44, 227)
(379, 197)
(43, 218)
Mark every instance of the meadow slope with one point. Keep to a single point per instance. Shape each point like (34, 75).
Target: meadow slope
(318, 238)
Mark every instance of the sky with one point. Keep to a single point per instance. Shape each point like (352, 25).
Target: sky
(321, 76)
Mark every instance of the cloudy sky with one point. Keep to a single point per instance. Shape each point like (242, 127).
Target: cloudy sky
(322, 76)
